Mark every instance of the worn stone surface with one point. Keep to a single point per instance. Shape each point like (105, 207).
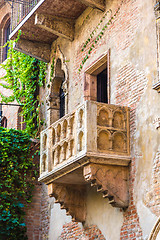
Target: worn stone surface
(99, 4)
(59, 26)
(35, 49)
(72, 198)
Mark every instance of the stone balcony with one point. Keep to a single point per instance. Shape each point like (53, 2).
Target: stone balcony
(92, 144)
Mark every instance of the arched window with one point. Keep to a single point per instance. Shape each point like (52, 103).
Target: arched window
(6, 32)
(4, 36)
(4, 122)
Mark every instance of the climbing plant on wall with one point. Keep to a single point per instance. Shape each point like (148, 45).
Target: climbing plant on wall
(98, 33)
(24, 76)
(17, 173)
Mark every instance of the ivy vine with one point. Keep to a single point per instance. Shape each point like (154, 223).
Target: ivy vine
(17, 174)
(99, 35)
(24, 76)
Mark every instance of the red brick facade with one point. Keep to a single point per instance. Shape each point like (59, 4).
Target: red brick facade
(73, 231)
(131, 227)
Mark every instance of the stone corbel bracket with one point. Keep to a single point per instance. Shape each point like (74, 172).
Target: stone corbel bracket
(38, 50)
(112, 181)
(72, 198)
(59, 26)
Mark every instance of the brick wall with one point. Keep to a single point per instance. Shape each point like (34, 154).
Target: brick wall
(32, 218)
(130, 87)
(37, 215)
(75, 232)
(45, 216)
(131, 227)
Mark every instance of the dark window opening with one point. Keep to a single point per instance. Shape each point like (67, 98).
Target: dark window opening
(62, 101)
(102, 92)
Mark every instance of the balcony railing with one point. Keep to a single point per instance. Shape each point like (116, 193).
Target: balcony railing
(93, 132)
(20, 10)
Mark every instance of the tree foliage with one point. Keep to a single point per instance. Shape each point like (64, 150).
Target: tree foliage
(24, 76)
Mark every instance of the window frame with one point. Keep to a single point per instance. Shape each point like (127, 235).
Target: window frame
(90, 83)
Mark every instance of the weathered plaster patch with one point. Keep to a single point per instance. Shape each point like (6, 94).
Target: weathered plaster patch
(99, 212)
(57, 219)
(147, 219)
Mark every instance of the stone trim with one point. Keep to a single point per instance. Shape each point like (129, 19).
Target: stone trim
(155, 231)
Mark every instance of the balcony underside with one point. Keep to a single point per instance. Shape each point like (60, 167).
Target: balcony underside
(48, 20)
(66, 9)
(70, 190)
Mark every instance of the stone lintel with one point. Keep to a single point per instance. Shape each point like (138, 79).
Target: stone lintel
(59, 26)
(38, 50)
(99, 4)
